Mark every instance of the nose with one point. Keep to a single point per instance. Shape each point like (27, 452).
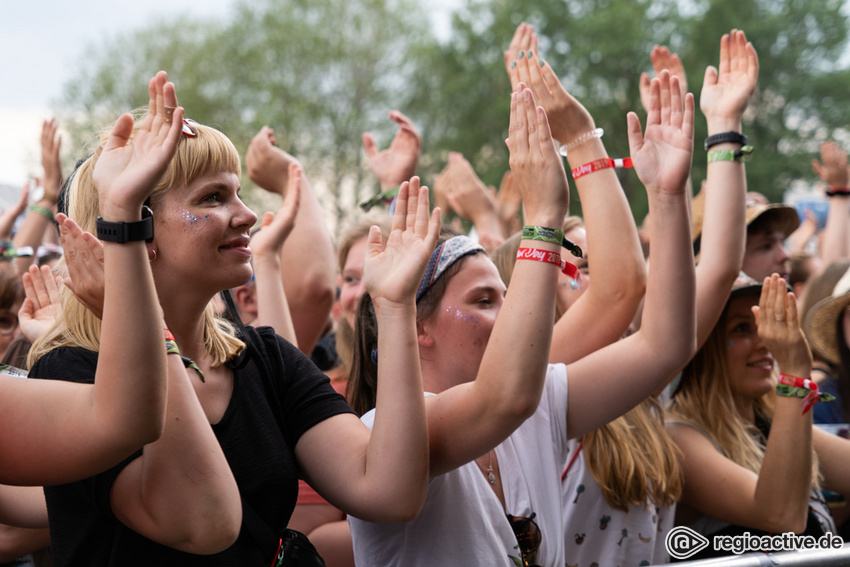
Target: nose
(243, 216)
(781, 254)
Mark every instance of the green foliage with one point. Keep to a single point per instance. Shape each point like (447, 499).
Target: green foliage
(322, 72)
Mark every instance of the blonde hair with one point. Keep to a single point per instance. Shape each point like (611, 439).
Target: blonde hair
(209, 151)
(505, 255)
(633, 459)
(705, 400)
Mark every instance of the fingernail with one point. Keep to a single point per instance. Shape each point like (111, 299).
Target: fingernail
(542, 63)
(528, 54)
(513, 64)
(520, 54)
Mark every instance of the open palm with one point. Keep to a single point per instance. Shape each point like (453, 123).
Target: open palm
(392, 272)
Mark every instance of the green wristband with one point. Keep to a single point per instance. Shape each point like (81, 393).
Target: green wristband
(741, 154)
(794, 392)
(43, 211)
(543, 234)
(171, 347)
(189, 363)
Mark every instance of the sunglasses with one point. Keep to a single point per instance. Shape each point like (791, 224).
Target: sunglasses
(8, 322)
(528, 537)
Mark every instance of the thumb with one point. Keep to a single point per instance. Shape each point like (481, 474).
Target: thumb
(369, 145)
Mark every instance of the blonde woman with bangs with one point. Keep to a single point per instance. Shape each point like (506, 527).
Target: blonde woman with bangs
(246, 415)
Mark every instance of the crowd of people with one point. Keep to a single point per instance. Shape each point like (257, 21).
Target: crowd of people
(417, 393)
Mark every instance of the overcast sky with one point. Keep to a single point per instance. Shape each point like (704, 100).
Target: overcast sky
(41, 42)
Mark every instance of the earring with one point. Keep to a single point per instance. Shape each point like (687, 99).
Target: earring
(152, 255)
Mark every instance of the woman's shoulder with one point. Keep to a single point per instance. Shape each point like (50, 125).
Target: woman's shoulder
(73, 364)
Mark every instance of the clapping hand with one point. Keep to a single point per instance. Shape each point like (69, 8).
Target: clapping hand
(84, 258)
(392, 271)
(398, 162)
(276, 227)
(779, 327)
(662, 156)
(132, 162)
(41, 305)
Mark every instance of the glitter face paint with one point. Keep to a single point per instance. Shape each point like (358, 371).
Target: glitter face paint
(461, 315)
(191, 219)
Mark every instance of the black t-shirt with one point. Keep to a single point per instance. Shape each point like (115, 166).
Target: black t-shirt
(83, 529)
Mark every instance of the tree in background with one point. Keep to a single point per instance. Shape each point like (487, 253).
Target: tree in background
(321, 72)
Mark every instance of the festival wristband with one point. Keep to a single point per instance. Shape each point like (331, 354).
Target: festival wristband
(43, 211)
(169, 336)
(602, 163)
(810, 396)
(551, 235)
(548, 257)
(742, 154)
(171, 347)
(189, 363)
(797, 382)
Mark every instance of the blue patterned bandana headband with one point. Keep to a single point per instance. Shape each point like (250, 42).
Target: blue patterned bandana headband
(443, 256)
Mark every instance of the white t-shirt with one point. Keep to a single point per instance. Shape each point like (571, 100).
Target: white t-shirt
(462, 522)
(597, 533)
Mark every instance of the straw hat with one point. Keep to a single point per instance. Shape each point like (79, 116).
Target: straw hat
(785, 217)
(821, 323)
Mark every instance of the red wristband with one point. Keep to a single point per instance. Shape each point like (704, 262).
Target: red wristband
(796, 382)
(553, 258)
(838, 191)
(168, 335)
(602, 163)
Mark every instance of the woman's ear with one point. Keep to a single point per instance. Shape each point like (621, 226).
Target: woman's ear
(424, 334)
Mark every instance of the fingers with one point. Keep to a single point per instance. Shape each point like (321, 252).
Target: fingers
(399, 217)
(412, 202)
(293, 191)
(688, 117)
(676, 101)
(121, 132)
(544, 136)
(374, 242)
(653, 115)
(666, 109)
(369, 145)
(38, 286)
(423, 210)
(634, 132)
(724, 66)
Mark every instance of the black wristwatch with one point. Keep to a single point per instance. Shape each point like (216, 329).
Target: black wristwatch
(730, 137)
(122, 232)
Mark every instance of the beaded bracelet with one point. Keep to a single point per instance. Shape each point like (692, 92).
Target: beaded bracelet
(601, 163)
(586, 137)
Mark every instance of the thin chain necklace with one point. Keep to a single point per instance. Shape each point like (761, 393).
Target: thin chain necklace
(491, 476)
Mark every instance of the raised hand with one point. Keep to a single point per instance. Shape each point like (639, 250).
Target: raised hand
(8, 217)
(726, 93)
(128, 169)
(508, 204)
(662, 156)
(779, 327)
(268, 165)
(568, 118)
(84, 258)
(662, 58)
(397, 163)
(538, 170)
(832, 169)
(276, 227)
(467, 194)
(50, 162)
(392, 272)
(41, 305)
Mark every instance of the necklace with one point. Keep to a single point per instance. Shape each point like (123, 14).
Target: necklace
(490, 475)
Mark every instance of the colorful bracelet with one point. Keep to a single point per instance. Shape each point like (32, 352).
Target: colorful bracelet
(43, 211)
(189, 363)
(553, 236)
(171, 346)
(742, 154)
(553, 258)
(805, 388)
(602, 163)
(586, 137)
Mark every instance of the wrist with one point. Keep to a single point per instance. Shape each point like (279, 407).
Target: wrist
(718, 125)
(591, 150)
(389, 308)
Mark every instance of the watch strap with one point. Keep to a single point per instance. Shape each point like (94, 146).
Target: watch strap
(122, 232)
(726, 137)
